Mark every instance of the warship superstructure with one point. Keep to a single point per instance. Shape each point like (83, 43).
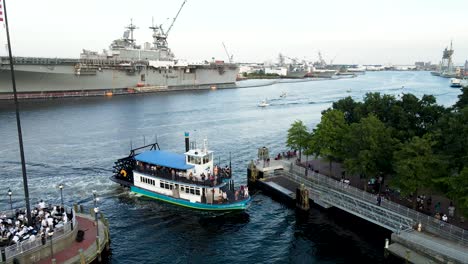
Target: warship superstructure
(446, 68)
(124, 68)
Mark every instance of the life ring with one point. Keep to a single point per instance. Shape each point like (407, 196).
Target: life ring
(123, 173)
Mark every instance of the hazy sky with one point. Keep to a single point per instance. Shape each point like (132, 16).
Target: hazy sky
(346, 31)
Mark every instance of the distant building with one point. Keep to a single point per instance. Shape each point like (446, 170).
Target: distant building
(281, 71)
(421, 65)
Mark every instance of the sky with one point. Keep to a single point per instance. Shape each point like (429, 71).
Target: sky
(344, 31)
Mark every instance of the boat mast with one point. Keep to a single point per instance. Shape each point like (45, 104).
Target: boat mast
(131, 27)
(18, 122)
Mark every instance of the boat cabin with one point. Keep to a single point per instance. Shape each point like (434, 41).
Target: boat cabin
(190, 176)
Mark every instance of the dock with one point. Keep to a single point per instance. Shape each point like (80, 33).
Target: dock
(65, 246)
(433, 242)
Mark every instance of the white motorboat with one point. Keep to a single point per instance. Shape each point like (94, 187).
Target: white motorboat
(283, 94)
(263, 103)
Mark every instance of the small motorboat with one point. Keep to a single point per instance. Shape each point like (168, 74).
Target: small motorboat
(283, 94)
(348, 91)
(454, 82)
(263, 103)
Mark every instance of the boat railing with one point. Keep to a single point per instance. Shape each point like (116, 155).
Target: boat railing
(183, 179)
(28, 245)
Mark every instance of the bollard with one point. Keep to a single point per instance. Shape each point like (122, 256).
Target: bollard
(54, 261)
(81, 208)
(387, 241)
(302, 198)
(419, 227)
(82, 257)
(3, 256)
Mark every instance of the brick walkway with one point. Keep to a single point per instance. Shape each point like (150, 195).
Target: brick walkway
(70, 252)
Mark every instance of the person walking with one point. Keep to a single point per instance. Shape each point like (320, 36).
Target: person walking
(379, 200)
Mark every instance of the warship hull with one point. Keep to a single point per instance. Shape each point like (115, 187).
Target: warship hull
(42, 81)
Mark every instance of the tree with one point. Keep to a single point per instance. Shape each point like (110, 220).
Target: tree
(458, 190)
(369, 148)
(462, 99)
(416, 166)
(350, 108)
(327, 139)
(297, 136)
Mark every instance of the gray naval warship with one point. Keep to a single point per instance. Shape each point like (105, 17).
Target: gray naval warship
(122, 69)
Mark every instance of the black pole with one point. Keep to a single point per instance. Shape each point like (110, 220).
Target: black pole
(230, 167)
(18, 122)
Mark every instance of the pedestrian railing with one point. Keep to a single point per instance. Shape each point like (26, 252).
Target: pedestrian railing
(428, 223)
(28, 245)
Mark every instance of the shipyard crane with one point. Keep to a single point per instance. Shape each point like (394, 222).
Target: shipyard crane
(230, 57)
(174, 19)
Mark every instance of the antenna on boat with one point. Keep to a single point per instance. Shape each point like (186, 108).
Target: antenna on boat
(144, 140)
(18, 122)
(131, 145)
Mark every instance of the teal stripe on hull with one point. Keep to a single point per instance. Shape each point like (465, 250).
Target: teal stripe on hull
(241, 205)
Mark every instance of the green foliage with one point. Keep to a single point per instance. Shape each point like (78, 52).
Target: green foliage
(350, 108)
(452, 136)
(416, 166)
(458, 190)
(462, 99)
(298, 136)
(327, 139)
(369, 148)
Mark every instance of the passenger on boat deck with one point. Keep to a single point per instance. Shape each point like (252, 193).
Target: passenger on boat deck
(42, 204)
(246, 191)
(202, 176)
(225, 196)
(236, 195)
(242, 193)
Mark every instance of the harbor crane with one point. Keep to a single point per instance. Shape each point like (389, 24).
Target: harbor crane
(230, 57)
(174, 19)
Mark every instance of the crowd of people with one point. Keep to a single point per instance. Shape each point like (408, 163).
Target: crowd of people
(286, 155)
(44, 219)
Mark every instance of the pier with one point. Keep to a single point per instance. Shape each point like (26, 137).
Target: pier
(85, 239)
(416, 237)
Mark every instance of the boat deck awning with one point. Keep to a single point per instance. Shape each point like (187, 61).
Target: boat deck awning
(165, 159)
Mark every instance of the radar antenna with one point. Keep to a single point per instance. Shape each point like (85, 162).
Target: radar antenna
(131, 27)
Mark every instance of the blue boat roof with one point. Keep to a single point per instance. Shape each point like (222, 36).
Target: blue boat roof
(165, 159)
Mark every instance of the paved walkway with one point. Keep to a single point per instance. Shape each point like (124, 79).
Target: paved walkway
(84, 224)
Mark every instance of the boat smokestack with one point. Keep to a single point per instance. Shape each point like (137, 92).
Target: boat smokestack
(187, 141)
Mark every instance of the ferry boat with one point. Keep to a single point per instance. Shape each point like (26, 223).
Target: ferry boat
(456, 83)
(189, 180)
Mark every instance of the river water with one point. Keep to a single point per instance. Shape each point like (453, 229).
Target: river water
(76, 140)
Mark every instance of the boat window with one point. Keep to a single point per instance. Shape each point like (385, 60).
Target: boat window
(197, 192)
(187, 190)
(192, 191)
(166, 186)
(206, 159)
(171, 186)
(161, 184)
(182, 188)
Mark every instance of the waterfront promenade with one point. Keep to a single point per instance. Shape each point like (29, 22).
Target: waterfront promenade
(433, 241)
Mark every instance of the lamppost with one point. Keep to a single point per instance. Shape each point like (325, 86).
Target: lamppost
(9, 194)
(61, 192)
(95, 197)
(50, 234)
(96, 211)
